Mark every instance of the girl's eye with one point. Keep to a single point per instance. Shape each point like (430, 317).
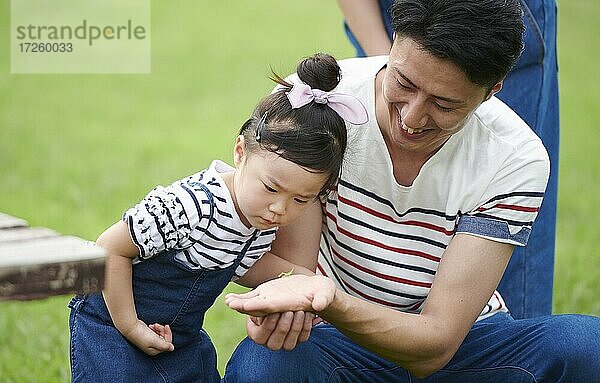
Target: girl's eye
(269, 189)
(301, 201)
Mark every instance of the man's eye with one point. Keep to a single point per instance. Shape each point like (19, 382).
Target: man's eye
(403, 86)
(443, 108)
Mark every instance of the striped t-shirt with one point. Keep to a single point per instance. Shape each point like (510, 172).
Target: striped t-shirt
(179, 217)
(383, 242)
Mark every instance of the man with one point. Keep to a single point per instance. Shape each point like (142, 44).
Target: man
(437, 189)
(531, 90)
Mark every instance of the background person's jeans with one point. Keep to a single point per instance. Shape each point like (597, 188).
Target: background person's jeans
(563, 348)
(531, 90)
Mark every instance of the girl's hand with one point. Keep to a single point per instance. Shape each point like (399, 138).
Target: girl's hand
(152, 339)
(163, 331)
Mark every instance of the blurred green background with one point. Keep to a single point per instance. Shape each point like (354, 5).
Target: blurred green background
(77, 150)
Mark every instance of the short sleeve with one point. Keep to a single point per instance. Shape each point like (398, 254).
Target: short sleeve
(169, 217)
(511, 202)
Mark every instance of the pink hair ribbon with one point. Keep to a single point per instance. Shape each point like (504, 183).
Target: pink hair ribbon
(348, 107)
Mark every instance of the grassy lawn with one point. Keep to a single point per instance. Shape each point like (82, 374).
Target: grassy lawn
(577, 252)
(77, 150)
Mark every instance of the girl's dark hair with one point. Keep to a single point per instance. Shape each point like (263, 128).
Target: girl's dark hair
(312, 136)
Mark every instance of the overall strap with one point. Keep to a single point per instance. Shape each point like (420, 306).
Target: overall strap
(244, 250)
(247, 245)
(211, 201)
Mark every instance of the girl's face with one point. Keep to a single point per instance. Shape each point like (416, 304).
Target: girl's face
(270, 191)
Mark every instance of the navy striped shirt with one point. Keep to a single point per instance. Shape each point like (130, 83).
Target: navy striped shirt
(179, 217)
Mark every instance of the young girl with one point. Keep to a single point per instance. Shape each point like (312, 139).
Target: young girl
(188, 240)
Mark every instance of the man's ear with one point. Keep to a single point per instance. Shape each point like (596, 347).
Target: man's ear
(239, 150)
(495, 89)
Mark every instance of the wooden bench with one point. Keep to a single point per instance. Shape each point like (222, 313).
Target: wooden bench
(38, 262)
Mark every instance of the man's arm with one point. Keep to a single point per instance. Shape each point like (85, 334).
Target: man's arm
(423, 343)
(469, 272)
(366, 23)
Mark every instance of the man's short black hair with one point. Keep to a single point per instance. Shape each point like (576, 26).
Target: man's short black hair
(484, 38)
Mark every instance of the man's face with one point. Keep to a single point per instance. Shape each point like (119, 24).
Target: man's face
(428, 99)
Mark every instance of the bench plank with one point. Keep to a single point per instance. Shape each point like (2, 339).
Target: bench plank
(46, 280)
(25, 233)
(7, 221)
(38, 262)
(47, 250)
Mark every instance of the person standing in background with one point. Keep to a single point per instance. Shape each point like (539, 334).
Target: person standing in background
(531, 90)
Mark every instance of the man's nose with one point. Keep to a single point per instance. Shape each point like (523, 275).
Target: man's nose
(414, 113)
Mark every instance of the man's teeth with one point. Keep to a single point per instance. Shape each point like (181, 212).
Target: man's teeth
(411, 130)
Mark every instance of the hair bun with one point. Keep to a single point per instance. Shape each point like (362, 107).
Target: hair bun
(320, 71)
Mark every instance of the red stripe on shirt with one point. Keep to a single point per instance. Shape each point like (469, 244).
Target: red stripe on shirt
(321, 270)
(511, 207)
(381, 245)
(391, 219)
(498, 299)
(416, 306)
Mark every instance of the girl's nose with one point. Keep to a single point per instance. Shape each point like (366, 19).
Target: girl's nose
(277, 207)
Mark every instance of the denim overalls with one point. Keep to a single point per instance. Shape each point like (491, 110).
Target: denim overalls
(166, 292)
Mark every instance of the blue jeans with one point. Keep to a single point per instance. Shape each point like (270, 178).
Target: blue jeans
(531, 90)
(564, 348)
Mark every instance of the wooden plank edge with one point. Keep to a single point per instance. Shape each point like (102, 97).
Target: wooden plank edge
(52, 279)
(8, 221)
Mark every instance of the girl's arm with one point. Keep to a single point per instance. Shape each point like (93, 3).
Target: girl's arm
(118, 291)
(287, 329)
(285, 256)
(268, 267)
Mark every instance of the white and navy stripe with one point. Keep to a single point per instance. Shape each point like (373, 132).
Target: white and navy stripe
(197, 217)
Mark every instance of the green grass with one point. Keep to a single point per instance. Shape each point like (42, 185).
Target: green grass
(76, 150)
(577, 252)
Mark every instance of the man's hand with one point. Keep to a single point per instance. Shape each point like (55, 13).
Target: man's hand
(277, 331)
(292, 293)
(281, 309)
(152, 339)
